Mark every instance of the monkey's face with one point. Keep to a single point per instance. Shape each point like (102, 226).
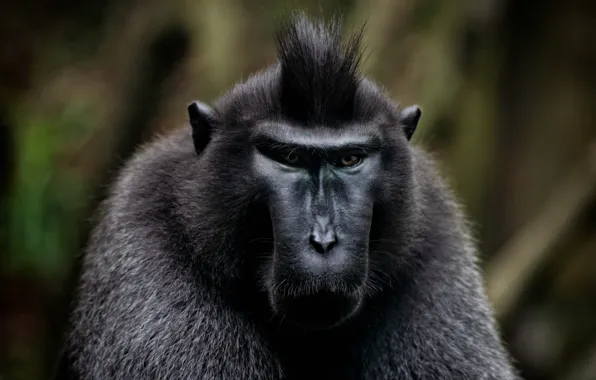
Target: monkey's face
(321, 187)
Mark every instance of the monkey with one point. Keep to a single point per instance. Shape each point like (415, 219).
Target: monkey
(294, 231)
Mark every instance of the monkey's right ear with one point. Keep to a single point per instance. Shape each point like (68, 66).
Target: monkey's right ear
(202, 119)
(409, 120)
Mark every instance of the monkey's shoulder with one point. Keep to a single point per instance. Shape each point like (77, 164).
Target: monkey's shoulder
(149, 176)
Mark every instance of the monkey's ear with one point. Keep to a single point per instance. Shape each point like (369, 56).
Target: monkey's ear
(409, 120)
(202, 119)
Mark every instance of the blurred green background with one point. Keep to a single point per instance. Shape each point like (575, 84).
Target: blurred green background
(508, 91)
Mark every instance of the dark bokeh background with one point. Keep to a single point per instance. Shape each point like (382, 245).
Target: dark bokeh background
(508, 90)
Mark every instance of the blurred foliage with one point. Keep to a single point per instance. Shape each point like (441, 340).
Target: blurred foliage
(46, 193)
(508, 90)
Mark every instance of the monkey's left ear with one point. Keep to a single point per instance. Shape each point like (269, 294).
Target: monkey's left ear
(409, 120)
(202, 119)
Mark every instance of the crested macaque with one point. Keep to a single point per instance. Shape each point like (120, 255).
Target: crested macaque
(291, 231)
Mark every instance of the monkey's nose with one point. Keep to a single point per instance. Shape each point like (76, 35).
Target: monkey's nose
(323, 237)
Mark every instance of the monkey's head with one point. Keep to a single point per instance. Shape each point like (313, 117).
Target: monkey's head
(328, 158)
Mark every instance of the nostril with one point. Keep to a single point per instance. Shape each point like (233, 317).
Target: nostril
(322, 244)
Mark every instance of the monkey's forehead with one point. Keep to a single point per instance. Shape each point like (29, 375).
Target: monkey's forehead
(319, 135)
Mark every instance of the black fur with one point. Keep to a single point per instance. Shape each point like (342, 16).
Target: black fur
(173, 278)
(319, 75)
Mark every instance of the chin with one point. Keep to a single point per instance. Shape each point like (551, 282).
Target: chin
(322, 310)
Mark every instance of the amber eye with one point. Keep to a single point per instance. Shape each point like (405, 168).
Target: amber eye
(291, 158)
(348, 161)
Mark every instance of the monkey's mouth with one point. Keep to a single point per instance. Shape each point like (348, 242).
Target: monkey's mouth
(321, 310)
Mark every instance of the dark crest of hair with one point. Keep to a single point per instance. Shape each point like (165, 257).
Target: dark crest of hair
(319, 73)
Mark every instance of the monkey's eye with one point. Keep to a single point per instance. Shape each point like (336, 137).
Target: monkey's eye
(348, 161)
(291, 158)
